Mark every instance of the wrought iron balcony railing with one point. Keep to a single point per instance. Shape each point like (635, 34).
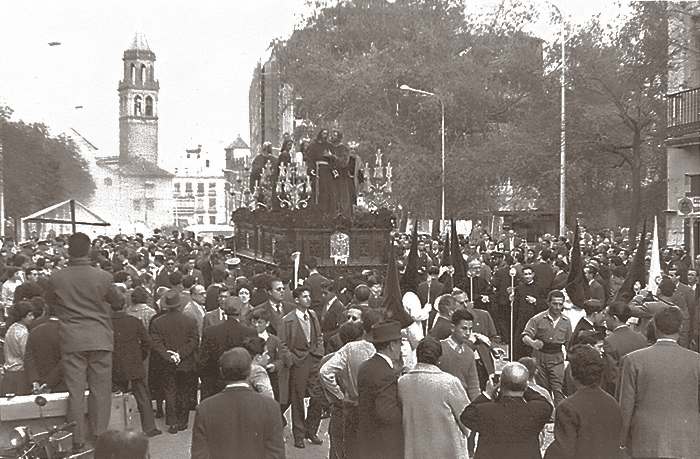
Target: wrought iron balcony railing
(683, 113)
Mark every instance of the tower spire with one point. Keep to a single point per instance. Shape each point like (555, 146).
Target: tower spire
(138, 40)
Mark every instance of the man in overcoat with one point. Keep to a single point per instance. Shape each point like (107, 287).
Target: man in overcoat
(659, 394)
(380, 431)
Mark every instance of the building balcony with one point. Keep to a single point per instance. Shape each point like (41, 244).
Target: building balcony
(212, 192)
(683, 117)
(181, 210)
(212, 210)
(200, 210)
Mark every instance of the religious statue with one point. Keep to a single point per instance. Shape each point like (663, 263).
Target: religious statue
(348, 177)
(318, 158)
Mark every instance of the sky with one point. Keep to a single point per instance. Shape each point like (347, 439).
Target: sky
(206, 52)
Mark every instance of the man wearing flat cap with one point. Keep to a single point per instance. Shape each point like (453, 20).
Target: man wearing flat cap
(380, 431)
(175, 339)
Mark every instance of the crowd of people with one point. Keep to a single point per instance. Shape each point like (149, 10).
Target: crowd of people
(186, 326)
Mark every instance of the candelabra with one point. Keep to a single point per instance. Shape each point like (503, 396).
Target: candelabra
(240, 193)
(293, 186)
(378, 184)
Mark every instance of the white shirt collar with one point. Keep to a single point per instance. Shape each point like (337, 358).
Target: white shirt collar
(388, 360)
(237, 384)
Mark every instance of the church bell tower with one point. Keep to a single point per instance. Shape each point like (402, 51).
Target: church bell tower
(138, 104)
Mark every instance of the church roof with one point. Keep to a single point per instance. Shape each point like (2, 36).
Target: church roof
(78, 138)
(140, 42)
(139, 167)
(238, 144)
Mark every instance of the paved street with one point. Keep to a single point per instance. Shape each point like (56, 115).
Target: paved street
(177, 446)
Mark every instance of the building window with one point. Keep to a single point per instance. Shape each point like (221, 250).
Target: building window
(207, 163)
(108, 181)
(188, 187)
(137, 106)
(694, 181)
(200, 188)
(200, 219)
(177, 188)
(137, 205)
(149, 106)
(143, 73)
(212, 202)
(133, 73)
(150, 203)
(212, 219)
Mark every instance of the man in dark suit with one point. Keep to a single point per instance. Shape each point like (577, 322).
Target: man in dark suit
(621, 341)
(561, 274)
(131, 347)
(189, 268)
(684, 295)
(275, 306)
(597, 292)
(218, 276)
(216, 316)
(215, 341)
(315, 282)
(658, 394)
(332, 312)
(175, 338)
(301, 332)
(544, 275)
(380, 429)
(442, 328)
(42, 357)
(508, 422)
(163, 275)
(238, 421)
(587, 424)
(511, 241)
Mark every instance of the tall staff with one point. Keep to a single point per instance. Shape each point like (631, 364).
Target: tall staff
(295, 257)
(512, 273)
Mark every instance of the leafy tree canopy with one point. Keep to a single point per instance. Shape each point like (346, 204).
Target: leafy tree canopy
(39, 170)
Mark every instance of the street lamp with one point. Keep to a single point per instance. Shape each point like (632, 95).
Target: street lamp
(442, 175)
(562, 166)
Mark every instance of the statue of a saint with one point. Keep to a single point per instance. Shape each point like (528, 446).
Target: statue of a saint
(348, 177)
(318, 158)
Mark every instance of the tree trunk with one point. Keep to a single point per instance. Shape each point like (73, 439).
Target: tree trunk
(636, 166)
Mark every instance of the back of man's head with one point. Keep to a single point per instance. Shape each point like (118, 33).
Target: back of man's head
(235, 364)
(586, 364)
(78, 245)
(620, 310)
(668, 320)
(232, 306)
(362, 293)
(514, 378)
(371, 317)
(531, 365)
(447, 305)
(312, 263)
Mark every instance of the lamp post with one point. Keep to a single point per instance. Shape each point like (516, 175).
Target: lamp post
(562, 166)
(442, 175)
